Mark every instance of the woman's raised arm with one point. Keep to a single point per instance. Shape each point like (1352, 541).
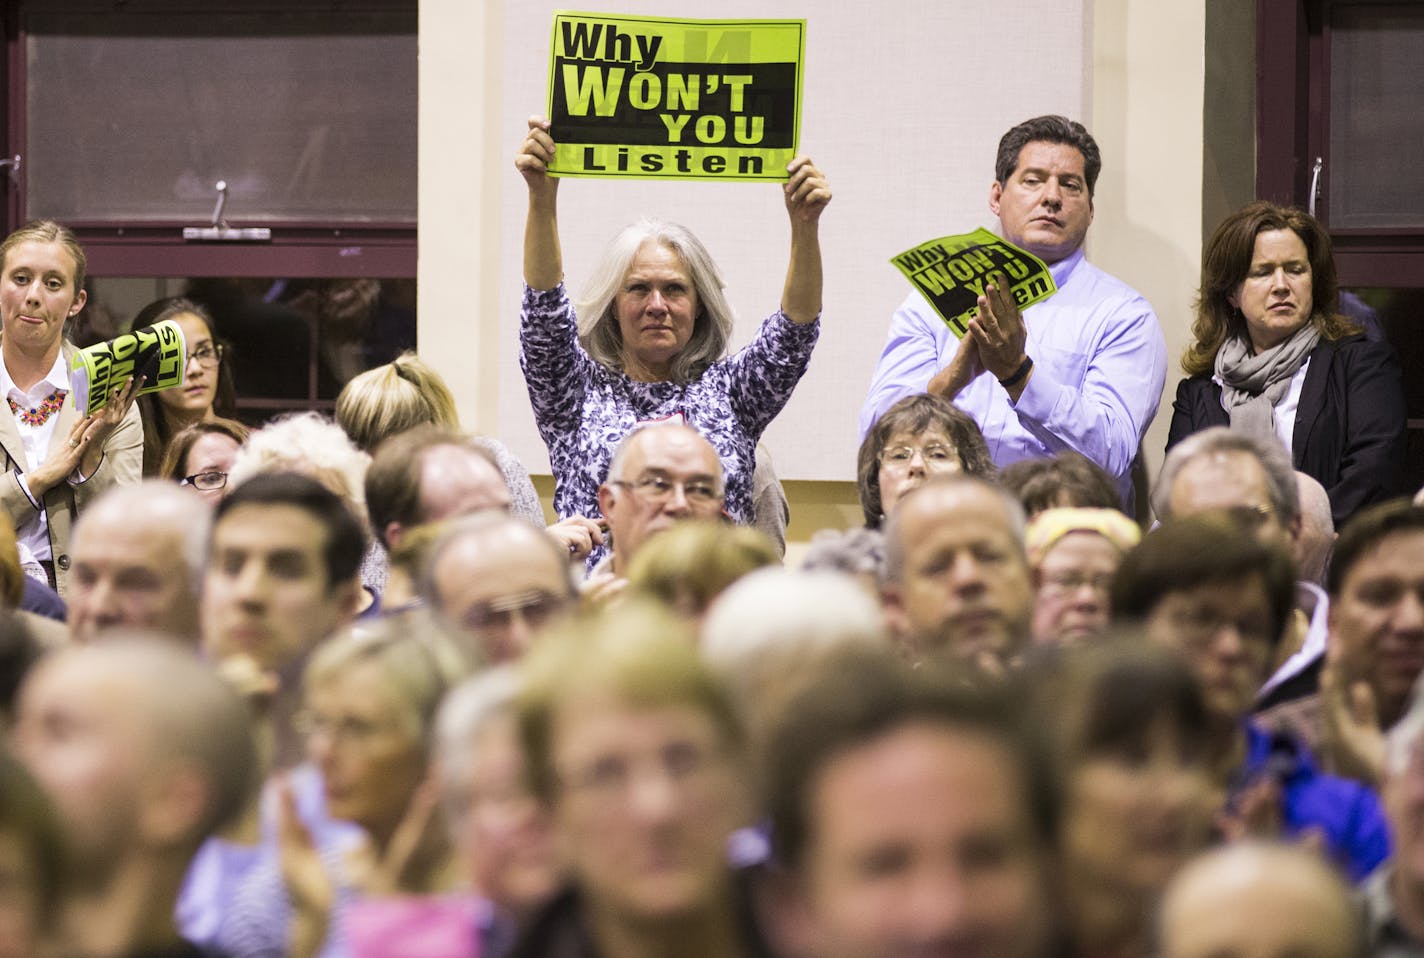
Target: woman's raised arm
(806, 196)
(543, 258)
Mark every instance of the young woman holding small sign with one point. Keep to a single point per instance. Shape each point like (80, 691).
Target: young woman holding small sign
(55, 459)
(648, 339)
(207, 391)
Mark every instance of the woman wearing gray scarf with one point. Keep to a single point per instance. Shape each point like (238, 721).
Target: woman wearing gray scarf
(1272, 356)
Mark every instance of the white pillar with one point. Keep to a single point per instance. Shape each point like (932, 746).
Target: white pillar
(460, 168)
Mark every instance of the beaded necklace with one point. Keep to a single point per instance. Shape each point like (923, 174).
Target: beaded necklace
(39, 415)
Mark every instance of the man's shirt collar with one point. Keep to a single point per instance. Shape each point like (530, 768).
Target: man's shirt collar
(1062, 269)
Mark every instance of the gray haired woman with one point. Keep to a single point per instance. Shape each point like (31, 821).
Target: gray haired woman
(648, 340)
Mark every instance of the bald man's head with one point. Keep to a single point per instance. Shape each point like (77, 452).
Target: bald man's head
(496, 580)
(430, 474)
(1317, 531)
(956, 574)
(659, 475)
(1257, 900)
(144, 750)
(137, 556)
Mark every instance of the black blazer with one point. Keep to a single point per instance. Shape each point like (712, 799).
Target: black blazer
(1349, 425)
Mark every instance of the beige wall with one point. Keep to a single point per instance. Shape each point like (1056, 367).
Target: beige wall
(1144, 81)
(886, 200)
(461, 172)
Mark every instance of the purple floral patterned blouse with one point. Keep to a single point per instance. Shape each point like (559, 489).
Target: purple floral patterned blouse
(583, 409)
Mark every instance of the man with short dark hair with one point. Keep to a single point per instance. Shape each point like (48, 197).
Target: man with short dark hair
(1376, 650)
(283, 574)
(1081, 370)
(1393, 897)
(145, 753)
(956, 579)
(1066, 480)
(911, 814)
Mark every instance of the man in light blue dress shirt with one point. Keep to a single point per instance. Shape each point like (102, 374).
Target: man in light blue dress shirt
(1082, 370)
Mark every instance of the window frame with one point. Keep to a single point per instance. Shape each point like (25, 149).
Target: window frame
(1293, 127)
(157, 249)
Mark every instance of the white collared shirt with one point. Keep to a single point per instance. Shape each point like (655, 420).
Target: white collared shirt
(33, 533)
(1312, 600)
(1289, 405)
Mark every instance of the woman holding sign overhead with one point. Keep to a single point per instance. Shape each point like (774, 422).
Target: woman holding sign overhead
(648, 339)
(55, 459)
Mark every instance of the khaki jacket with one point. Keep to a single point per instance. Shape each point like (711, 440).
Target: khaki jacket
(122, 465)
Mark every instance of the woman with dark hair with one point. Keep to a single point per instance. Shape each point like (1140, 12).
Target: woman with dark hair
(1130, 730)
(1066, 480)
(1273, 356)
(648, 341)
(1206, 587)
(199, 456)
(918, 437)
(207, 389)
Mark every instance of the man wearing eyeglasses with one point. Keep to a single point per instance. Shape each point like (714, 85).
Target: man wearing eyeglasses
(1223, 600)
(495, 581)
(659, 475)
(1218, 469)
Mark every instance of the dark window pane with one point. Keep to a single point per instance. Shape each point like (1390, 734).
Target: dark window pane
(1376, 124)
(308, 116)
(1393, 314)
(291, 343)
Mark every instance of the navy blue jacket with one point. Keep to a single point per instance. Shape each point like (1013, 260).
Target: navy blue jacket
(1349, 425)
